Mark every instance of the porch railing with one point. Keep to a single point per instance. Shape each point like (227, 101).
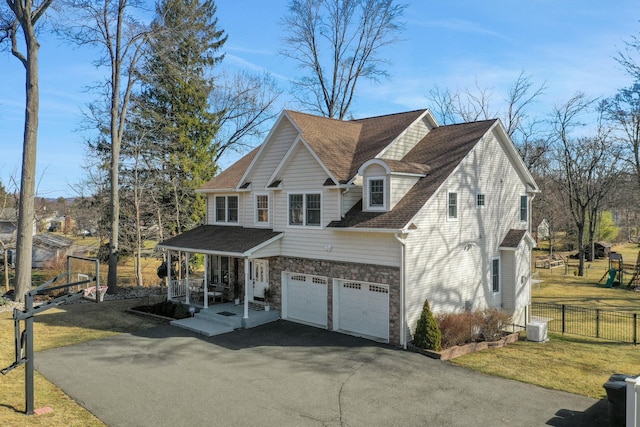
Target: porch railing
(633, 401)
(179, 287)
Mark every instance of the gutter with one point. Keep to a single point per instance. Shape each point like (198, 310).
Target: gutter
(403, 334)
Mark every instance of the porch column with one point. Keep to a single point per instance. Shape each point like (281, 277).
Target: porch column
(169, 287)
(246, 287)
(205, 283)
(187, 279)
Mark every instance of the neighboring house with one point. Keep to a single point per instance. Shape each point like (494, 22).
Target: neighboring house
(542, 231)
(355, 224)
(8, 224)
(50, 249)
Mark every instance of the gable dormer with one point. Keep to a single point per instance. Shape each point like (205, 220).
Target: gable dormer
(385, 182)
(411, 136)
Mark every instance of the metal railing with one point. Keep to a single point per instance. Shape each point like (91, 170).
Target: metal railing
(588, 322)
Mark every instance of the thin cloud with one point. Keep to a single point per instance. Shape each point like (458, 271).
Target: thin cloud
(458, 25)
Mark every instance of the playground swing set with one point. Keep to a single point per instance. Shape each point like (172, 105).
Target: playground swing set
(618, 269)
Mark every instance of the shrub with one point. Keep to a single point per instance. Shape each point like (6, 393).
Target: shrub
(181, 311)
(4, 301)
(457, 328)
(428, 335)
(492, 321)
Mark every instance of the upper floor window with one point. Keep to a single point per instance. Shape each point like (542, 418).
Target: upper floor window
(305, 209)
(226, 208)
(375, 193)
(524, 203)
(452, 212)
(262, 209)
(480, 200)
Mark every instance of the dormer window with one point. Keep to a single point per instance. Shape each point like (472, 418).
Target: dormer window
(375, 193)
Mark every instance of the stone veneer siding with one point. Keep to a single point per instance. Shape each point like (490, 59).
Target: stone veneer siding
(341, 270)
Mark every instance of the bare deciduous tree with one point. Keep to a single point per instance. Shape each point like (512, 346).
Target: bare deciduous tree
(476, 104)
(245, 104)
(23, 16)
(337, 42)
(110, 26)
(584, 166)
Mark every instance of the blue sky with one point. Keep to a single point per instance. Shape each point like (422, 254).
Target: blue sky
(569, 45)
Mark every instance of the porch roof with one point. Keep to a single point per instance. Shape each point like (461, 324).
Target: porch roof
(217, 239)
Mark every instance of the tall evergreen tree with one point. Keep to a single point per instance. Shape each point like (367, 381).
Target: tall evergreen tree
(174, 105)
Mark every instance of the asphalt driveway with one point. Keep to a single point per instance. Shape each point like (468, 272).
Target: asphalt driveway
(287, 374)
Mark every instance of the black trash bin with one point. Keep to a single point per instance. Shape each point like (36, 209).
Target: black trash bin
(616, 389)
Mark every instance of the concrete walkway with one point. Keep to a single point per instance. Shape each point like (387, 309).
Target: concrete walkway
(286, 374)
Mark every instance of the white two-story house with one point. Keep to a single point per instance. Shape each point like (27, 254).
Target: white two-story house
(354, 224)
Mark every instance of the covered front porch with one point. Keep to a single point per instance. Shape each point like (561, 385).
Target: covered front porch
(236, 272)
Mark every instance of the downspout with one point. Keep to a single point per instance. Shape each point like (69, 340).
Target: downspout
(403, 334)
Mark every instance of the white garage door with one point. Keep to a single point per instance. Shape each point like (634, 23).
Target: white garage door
(363, 309)
(307, 299)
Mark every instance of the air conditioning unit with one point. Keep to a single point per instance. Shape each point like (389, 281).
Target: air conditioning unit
(537, 331)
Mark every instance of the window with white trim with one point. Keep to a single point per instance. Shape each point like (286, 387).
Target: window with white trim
(376, 193)
(480, 200)
(226, 208)
(262, 208)
(305, 209)
(524, 205)
(452, 206)
(495, 275)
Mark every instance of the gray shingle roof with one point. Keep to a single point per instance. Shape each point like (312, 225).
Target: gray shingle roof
(219, 238)
(513, 238)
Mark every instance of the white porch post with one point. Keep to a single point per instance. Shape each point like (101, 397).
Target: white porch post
(187, 279)
(169, 287)
(205, 283)
(246, 287)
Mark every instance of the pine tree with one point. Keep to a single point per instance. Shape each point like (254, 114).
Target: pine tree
(174, 105)
(428, 334)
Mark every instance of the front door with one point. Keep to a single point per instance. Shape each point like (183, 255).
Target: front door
(260, 274)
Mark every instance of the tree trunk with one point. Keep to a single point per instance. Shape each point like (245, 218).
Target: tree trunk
(112, 278)
(26, 213)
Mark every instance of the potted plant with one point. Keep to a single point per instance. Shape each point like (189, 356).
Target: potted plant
(268, 295)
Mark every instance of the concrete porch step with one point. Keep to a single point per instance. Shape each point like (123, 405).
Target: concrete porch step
(207, 327)
(220, 315)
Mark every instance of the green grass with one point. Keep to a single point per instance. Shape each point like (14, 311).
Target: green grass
(567, 362)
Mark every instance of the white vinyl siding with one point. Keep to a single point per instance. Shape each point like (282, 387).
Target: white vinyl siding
(406, 142)
(281, 139)
(457, 272)
(400, 186)
(301, 175)
(350, 198)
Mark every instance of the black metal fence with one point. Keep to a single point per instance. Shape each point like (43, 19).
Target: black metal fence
(589, 322)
